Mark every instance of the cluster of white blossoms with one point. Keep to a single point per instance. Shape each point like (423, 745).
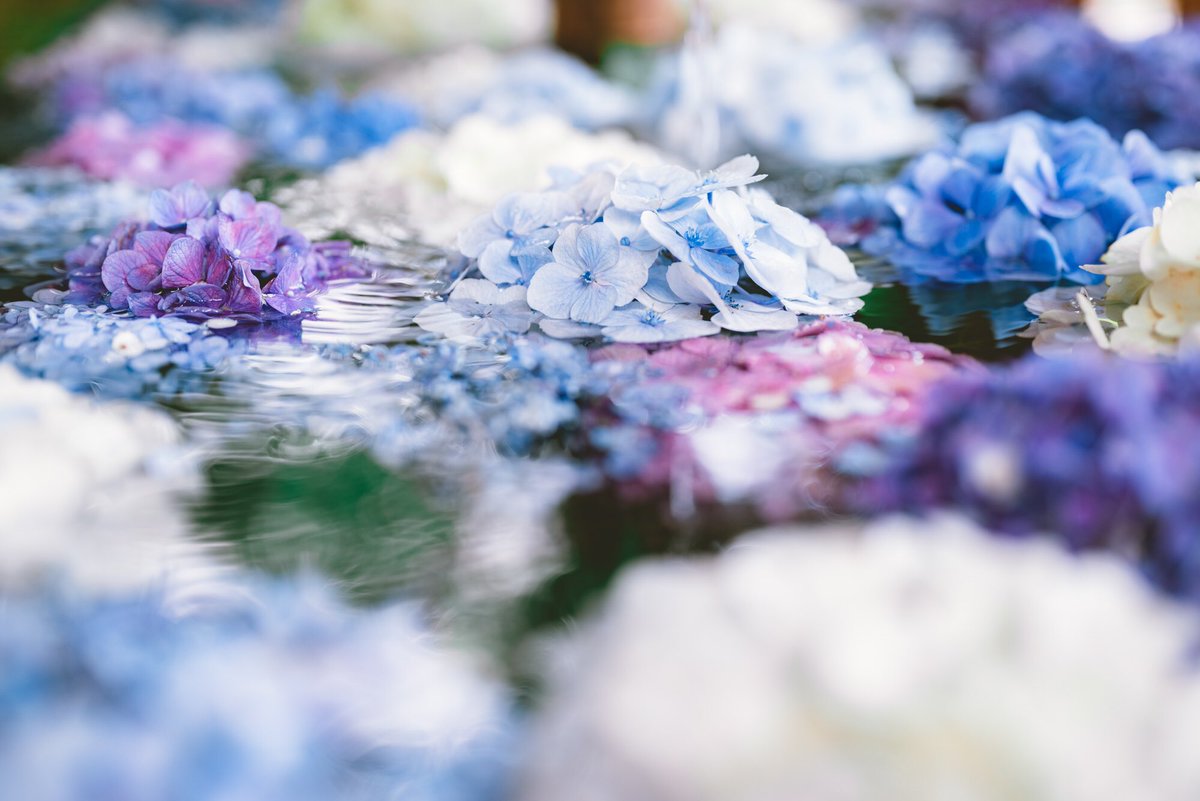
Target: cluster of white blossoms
(1154, 280)
(429, 186)
(88, 498)
(907, 662)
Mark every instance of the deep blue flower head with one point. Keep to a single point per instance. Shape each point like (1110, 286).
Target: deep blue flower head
(1061, 66)
(1100, 450)
(280, 694)
(1024, 199)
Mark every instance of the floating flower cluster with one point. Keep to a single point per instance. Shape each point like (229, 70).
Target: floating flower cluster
(310, 132)
(638, 257)
(1024, 199)
(1154, 273)
(1097, 449)
(109, 146)
(513, 88)
(910, 660)
(760, 419)
(280, 693)
(199, 259)
(430, 186)
(804, 104)
(89, 496)
(45, 211)
(89, 350)
(515, 404)
(1061, 66)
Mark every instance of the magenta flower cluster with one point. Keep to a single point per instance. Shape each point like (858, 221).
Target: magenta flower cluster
(200, 260)
(111, 147)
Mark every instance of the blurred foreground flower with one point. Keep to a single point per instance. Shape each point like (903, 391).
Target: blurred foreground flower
(91, 494)
(280, 694)
(907, 661)
(1098, 449)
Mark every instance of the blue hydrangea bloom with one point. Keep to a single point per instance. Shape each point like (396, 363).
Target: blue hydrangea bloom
(323, 129)
(280, 694)
(1061, 66)
(1024, 199)
(89, 350)
(1100, 450)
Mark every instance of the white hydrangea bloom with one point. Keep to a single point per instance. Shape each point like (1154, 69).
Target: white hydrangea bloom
(430, 186)
(912, 661)
(840, 103)
(83, 494)
(1154, 273)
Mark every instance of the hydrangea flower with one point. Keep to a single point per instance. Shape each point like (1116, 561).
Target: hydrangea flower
(1096, 449)
(589, 276)
(165, 154)
(905, 660)
(323, 129)
(1154, 275)
(478, 310)
(1023, 199)
(791, 102)
(1061, 66)
(431, 186)
(89, 498)
(757, 421)
(309, 132)
(595, 243)
(89, 350)
(200, 260)
(277, 691)
(640, 323)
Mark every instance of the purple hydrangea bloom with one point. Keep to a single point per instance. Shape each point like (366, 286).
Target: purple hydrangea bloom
(1061, 66)
(1023, 199)
(199, 260)
(1100, 450)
